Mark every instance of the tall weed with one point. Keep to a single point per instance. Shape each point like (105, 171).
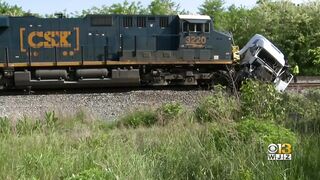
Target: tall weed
(219, 107)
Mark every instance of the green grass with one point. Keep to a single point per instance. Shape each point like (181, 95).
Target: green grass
(89, 150)
(168, 143)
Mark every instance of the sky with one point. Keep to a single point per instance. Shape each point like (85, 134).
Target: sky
(50, 6)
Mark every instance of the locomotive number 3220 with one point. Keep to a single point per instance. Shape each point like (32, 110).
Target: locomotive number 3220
(199, 40)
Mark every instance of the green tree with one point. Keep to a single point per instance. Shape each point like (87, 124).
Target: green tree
(213, 8)
(165, 7)
(118, 8)
(294, 29)
(241, 22)
(9, 10)
(127, 8)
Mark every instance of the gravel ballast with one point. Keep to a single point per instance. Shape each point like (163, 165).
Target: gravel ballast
(104, 106)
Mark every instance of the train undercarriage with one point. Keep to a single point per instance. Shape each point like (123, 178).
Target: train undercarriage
(116, 76)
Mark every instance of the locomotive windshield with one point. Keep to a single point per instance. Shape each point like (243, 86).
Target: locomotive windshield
(196, 27)
(195, 23)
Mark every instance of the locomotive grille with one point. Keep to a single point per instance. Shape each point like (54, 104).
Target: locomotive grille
(127, 21)
(101, 20)
(164, 22)
(141, 21)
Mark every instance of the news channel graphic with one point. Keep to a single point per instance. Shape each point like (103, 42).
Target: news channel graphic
(280, 152)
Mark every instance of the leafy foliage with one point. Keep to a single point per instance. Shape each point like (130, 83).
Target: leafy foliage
(217, 108)
(261, 101)
(156, 7)
(163, 115)
(9, 10)
(292, 28)
(139, 118)
(169, 112)
(215, 9)
(164, 7)
(315, 54)
(265, 132)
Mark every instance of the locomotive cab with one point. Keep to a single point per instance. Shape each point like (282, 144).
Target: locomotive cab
(199, 41)
(194, 31)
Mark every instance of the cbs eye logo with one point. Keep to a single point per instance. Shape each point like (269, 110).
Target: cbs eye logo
(280, 148)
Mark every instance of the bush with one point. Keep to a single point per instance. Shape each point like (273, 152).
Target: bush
(163, 115)
(223, 136)
(262, 101)
(265, 132)
(169, 112)
(219, 107)
(139, 118)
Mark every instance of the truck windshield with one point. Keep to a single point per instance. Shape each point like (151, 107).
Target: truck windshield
(269, 60)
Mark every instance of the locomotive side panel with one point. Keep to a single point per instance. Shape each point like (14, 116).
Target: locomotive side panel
(145, 36)
(41, 40)
(110, 37)
(31, 39)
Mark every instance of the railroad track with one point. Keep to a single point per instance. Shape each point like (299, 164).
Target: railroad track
(304, 85)
(299, 85)
(98, 90)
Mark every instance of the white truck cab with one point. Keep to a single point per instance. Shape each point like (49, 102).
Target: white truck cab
(264, 61)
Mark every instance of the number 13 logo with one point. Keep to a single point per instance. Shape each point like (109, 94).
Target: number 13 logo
(280, 148)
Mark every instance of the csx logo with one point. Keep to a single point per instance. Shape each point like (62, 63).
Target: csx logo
(49, 39)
